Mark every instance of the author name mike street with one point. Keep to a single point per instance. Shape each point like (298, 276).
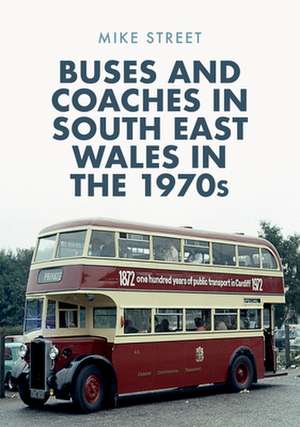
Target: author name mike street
(157, 37)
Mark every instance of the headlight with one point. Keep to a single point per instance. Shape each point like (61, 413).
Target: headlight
(23, 350)
(53, 352)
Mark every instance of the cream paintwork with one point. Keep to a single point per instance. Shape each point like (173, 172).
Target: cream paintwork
(146, 300)
(145, 264)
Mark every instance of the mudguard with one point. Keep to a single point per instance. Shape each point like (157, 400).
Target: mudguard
(65, 377)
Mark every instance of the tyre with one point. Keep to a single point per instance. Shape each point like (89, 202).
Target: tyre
(24, 393)
(241, 373)
(89, 389)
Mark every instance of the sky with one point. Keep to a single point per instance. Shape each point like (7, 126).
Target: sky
(262, 171)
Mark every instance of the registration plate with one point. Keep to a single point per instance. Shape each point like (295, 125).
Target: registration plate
(37, 394)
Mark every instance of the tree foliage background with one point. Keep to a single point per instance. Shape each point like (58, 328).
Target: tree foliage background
(14, 270)
(289, 251)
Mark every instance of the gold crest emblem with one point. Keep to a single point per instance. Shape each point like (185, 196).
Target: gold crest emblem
(199, 354)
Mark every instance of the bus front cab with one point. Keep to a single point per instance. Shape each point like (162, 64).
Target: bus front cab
(68, 351)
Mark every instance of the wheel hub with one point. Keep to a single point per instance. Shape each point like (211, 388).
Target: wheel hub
(242, 373)
(92, 388)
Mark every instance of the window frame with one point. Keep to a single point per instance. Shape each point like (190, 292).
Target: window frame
(137, 333)
(215, 313)
(119, 239)
(201, 242)
(38, 245)
(89, 241)
(251, 329)
(197, 331)
(105, 307)
(180, 255)
(182, 314)
(56, 257)
(216, 242)
(249, 267)
(273, 255)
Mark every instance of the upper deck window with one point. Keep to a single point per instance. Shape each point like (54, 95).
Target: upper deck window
(223, 254)
(248, 256)
(268, 260)
(102, 244)
(166, 249)
(196, 252)
(134, 246)
(70, 244)
(45, 248)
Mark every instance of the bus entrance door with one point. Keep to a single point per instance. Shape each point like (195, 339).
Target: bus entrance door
(270, 353)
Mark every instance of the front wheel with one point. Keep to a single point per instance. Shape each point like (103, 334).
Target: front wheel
(241, 373)
(24, 393)
(89, 389)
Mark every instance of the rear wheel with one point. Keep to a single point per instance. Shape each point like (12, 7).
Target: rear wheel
(89, 389)
(24, 393)
(241, 373)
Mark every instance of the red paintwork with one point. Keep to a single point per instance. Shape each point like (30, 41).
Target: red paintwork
(101, 277)
(242, 373)
(150, 366)
(80, 346)
(153, 366)
(92, 388)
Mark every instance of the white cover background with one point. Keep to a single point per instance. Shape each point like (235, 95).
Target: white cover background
(263, 172)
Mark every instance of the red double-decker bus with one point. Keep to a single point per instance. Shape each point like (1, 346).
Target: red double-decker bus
(114, 308)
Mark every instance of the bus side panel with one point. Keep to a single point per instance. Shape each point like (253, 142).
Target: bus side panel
(220, 353)
(207, 361)
(169, 364)
(134, 366)
(197, 362)
(153, 366)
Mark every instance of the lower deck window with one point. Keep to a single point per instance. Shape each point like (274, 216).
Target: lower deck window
(225, 319)
(168, 320)
(104, 317)
(198, 319)
(137, 320)
(250, 319)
